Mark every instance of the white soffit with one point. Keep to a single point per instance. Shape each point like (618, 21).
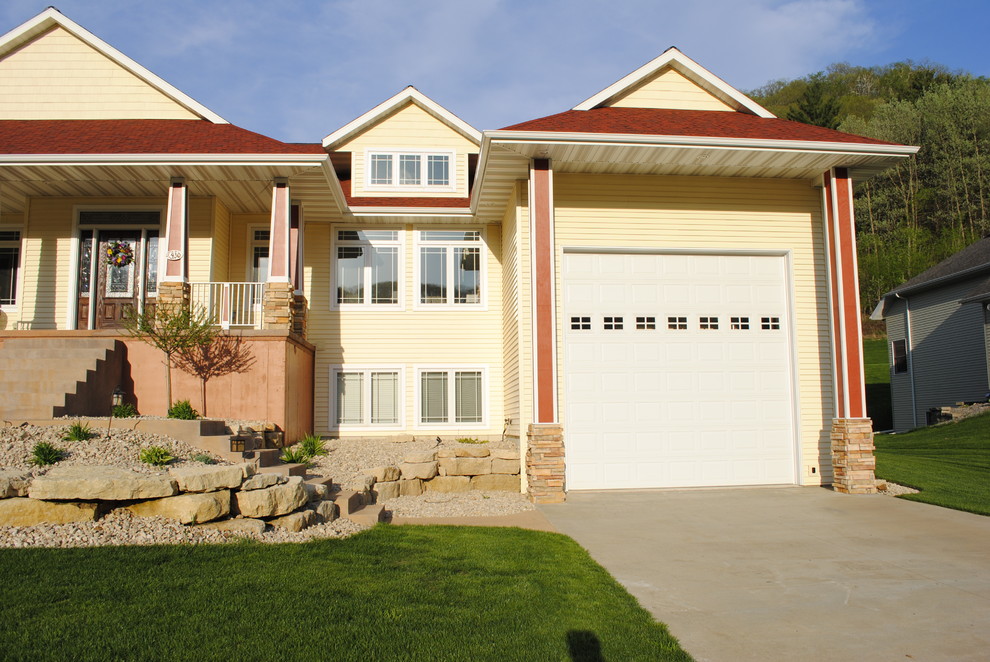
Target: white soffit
(689, 68)
(52, 17)
(409, 94)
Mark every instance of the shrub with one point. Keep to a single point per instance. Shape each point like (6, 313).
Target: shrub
(183, 410)
(126, 410)
(78, 432)
(155, 456)
(313, 445)
(44, 454)
(202, 457)
(470, 440)
(295, 455)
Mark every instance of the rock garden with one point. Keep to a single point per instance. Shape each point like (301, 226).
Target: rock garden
(136, 487)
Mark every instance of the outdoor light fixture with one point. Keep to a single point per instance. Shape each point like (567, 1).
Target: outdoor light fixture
(116, 399)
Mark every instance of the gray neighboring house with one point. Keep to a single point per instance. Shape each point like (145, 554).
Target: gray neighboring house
(938, 335)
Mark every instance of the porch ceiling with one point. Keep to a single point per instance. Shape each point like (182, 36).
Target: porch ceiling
(243, 188)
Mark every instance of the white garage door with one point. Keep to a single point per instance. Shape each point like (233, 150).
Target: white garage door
(677, 371)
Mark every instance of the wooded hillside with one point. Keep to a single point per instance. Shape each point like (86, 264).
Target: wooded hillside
(930, 206)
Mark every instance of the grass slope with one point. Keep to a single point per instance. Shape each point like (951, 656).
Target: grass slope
(877, 368)
(393, 593)
(949, 463)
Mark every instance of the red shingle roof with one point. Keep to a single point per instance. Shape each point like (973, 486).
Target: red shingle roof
(700, 123)
(139, 137)
(453, 203)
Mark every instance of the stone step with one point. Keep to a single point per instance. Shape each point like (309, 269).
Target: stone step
(348, 501)
(291, 469)
(266, 457)
(369, 515)
(319, 480)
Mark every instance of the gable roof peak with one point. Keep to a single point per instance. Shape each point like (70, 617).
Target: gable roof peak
(408, 94)
(673, 58)
(51, 17)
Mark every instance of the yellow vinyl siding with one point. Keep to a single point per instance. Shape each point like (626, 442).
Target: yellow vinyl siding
(57, 76)
(200, 249)
(407, 338)
(669, 89)
(510, 318)
(241, 228)
(410, 128)
(718, 213)
(221, 243)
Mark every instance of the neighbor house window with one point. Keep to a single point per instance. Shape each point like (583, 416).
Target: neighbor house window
(451, 396)
(450, 263)
(898, 350)
(411, 170)
(367, 396)
(366, 267)
(10, 260)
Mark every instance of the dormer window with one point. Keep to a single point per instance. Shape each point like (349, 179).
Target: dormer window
(425, 171)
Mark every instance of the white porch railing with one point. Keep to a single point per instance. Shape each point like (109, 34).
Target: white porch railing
(229, 304)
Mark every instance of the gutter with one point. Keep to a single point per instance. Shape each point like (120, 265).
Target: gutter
(938, 281)
(161, 159)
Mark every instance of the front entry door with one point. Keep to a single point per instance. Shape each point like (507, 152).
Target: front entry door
(118, 287)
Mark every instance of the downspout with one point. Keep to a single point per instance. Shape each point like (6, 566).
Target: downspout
(910, 357)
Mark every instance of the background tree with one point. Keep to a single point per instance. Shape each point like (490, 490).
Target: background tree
(172, 329)
(816, 106)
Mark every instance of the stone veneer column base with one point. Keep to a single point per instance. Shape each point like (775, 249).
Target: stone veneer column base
(172, 295)
(545, 463)
(853, 462)
(283, 309)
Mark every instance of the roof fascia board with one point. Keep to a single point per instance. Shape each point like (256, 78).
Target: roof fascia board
(936, 282)
(52, 17)
(306, 160)
(685, 65)
(412, 211)
(335, 189)
(410, 93)
(562, 138)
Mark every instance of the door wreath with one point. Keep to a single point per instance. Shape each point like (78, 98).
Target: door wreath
(119, 254)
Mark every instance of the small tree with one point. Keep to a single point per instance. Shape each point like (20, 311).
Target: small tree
(172, 329)
(225, 355)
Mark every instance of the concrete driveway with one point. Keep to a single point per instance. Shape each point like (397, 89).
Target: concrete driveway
(796, 572)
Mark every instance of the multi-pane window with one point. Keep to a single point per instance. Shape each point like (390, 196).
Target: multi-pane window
(708, 323)
(677, 323)
(366, 267)
(451, 396)
(409, 170)
(450, 267)
(770, 323)
(646, 323)
(739, 323)
(10, 260)
(259, 256)
(367, 396)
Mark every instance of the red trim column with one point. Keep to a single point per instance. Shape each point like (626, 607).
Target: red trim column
(278, 248)
(544, 292)
(545, 438)
(284, 306)
(853, 462)
(173, 261)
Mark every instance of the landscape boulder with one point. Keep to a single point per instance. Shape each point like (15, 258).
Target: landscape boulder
(326, 511)
(21, 511)
(208, 478)
(500, 466)
(420, 456)
(495, 483)
(14, 483)
(385, 474)
(260, 481)
(384, 491)
(412, 487)
(295, 522)
(466, 466)
(191, 508)
(104, 483)
(448, 484)
(243, 525)
(271, 501)
(421, 470)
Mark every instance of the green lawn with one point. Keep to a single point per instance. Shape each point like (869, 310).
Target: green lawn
(949, 463)
(877, 368)
(392, 593)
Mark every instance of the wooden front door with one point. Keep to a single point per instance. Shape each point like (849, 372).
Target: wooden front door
(115, 290)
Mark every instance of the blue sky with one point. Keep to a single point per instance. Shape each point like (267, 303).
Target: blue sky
(296, 70)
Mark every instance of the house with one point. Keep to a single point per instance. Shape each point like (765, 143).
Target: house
(938, 330)
(655, 288)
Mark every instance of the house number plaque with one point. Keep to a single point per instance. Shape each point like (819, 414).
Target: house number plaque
(173, 255)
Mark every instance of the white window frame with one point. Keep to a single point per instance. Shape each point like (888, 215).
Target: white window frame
(367, 370)
(482, 244)
(251, 244)
(423, 157)
(451, 423)
(19, 280)
(399, 242)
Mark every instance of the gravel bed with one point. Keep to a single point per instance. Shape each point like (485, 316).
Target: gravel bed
(120, 527)
(120, 450)
(893, 489)
(460, 504)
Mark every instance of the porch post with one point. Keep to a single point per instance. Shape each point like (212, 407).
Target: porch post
(279, 294)
(299, 303)
(545, 450)
(173, 261)
(853, 462)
